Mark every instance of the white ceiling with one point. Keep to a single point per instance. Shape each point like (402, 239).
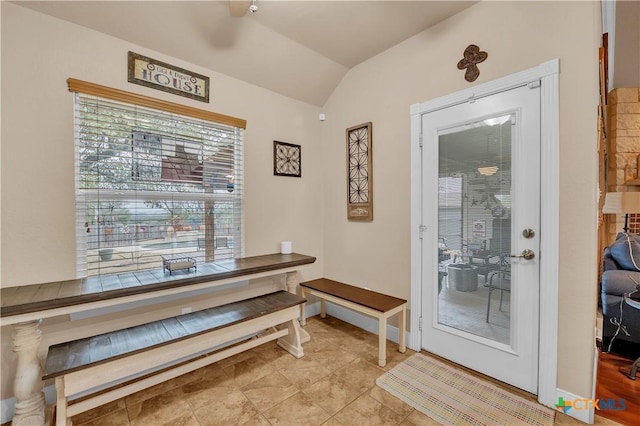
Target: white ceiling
(300, 49)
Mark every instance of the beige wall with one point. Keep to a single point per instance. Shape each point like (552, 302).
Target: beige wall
(517, 36)
(39, 53)
(626, 68)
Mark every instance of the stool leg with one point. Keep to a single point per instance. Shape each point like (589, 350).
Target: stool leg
(489, 298)
(634, 369)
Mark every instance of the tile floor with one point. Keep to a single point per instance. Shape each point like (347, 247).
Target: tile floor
(333, 384)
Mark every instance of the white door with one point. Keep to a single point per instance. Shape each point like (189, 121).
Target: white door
(480, 245)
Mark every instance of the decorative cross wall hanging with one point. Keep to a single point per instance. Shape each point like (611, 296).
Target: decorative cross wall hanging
(472, 56)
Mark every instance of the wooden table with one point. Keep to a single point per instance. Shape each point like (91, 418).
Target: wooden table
(25, 307)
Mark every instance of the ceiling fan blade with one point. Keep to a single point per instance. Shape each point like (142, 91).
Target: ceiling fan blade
(238, 8)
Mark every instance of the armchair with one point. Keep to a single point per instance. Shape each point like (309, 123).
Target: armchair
(620, 277)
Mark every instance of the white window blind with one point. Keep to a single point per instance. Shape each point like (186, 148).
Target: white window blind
(153, 184)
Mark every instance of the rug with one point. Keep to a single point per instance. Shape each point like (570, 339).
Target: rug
(453, 397)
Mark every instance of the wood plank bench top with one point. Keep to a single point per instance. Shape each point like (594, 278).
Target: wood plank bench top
(36, 301)
(371, 299)
(72, 356)
(368, 302)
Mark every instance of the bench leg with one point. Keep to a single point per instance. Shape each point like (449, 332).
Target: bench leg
(402, 345)
(323, 308)
(61, 404)
(291, 342)
(382, 341)
(303, 312)
(303, 315)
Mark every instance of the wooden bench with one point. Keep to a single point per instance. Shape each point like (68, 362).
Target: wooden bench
(377, 305)
(98, 365)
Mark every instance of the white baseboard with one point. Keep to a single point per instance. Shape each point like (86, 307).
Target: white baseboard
(585, 412)
(359, 320)
(7, 408)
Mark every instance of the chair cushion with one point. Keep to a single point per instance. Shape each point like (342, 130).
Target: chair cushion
(626, 251)
(619, 282)
(608, 262)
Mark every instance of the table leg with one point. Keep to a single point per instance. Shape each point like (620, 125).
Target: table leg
(291, 279)
(27, 386)
(291, 342)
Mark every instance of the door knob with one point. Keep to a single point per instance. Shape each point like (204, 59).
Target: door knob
(526, 254)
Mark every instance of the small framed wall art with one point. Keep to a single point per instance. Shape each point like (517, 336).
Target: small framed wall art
(287, 159)
(360, 173)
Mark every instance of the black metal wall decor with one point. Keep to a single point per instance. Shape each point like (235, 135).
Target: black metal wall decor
(287, 159)
(360, 173)
(472, 57)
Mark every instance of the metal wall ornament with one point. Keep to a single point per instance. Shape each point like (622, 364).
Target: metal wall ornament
(360, 173)
(287, 159)
(472, 57)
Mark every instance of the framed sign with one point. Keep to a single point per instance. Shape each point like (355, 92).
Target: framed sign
(287, 159)
(360, 173)
(168, 78)
(479, 228)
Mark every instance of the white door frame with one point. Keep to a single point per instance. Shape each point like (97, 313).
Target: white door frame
(547, 74)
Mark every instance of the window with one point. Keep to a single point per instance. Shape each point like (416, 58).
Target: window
(152, 184)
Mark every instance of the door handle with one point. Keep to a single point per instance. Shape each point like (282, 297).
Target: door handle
(526, 254)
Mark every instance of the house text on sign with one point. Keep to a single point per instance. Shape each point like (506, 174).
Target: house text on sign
(162, 76)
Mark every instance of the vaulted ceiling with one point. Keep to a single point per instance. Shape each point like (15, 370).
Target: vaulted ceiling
(300, 49)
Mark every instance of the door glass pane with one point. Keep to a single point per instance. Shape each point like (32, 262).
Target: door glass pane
(474, 228)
